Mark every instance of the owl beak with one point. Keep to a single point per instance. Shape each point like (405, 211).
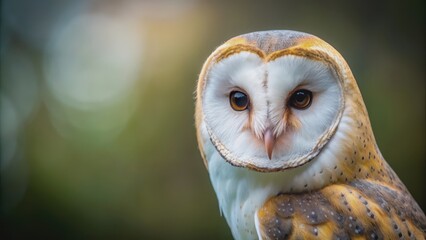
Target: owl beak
(269, 139)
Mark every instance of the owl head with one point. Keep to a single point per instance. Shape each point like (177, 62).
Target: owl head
(269, 101)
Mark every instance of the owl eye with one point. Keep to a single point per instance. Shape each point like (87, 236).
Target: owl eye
(238, 100)
(301, 99)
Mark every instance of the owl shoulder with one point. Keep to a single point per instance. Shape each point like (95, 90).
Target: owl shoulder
(363, 208)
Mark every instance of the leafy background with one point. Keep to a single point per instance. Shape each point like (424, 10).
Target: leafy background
(97, 130)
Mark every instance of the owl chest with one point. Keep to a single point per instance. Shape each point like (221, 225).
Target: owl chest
(239, 194)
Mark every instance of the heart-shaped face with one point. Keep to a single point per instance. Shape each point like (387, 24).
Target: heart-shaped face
(270, 111)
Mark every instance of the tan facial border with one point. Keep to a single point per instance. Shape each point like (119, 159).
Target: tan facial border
(301, 49)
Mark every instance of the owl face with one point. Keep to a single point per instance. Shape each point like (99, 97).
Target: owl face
(269, 110)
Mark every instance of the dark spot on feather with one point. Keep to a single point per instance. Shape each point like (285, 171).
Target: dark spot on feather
(358, 229)
(315, 231)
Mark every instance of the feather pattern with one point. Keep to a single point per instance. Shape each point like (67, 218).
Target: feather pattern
(362, 208)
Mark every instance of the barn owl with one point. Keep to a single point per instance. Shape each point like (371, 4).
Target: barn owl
(286, 138)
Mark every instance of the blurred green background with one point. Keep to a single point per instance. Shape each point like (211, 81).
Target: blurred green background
(97, 130)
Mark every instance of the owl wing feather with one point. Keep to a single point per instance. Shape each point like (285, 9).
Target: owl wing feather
(361, 209)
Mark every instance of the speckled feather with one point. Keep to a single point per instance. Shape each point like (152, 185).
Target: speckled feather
(362, 208)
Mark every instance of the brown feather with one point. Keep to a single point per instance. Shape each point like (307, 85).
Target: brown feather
(363, 208)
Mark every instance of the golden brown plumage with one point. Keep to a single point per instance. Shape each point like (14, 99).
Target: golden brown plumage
(361, 208)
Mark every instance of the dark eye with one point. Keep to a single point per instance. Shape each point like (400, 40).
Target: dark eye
(238, 100)
(301, 99)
